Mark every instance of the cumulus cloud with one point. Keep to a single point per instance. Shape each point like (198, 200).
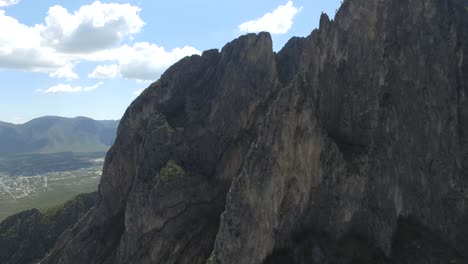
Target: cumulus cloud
(143, 61)
(8, 2)
(97, 32)
(15, 34)
(279, 21)
(93, 27)
(51, 47)
(67, 88)
(20, 47)
(65, 72)
(31, 59)
(105, 71)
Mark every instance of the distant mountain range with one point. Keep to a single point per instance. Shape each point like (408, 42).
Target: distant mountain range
(52, 134)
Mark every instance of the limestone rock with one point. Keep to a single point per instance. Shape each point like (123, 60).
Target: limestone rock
(321, 153)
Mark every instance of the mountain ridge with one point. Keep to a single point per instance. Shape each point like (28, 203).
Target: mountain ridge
(349, 132)
(53, 134)
(347, 146)
(58, 117)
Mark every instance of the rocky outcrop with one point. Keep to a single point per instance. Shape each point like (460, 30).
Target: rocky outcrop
(26, 237)
(322, 153)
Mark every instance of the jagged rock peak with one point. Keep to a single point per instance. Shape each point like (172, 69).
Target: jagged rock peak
(344, 146)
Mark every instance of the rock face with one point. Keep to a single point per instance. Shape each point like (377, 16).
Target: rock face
(348, 145)
(26, 237)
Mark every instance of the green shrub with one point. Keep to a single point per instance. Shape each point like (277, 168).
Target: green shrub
(171, 170)
(53, 211)
(210, 260)
(171, 129)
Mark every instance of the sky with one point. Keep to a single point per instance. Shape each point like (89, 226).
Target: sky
(93, 58)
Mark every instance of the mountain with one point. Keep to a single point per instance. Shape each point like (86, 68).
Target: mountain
(347, 146)
(52, 134)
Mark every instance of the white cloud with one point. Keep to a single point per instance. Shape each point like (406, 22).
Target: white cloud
(66, 88)
(105, 71)
(20, 47)
(93, 27)
(14, 34)
(8, 2)
(47, 47)
(32, 59)
(65, 72)
(279, 21)
(93, 33)
(145, 61)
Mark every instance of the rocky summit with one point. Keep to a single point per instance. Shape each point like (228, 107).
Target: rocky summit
(347, 146)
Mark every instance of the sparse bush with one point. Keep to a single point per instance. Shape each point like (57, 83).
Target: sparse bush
(210, 260)
(172, 170)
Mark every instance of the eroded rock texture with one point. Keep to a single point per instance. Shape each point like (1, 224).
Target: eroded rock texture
(348, 145)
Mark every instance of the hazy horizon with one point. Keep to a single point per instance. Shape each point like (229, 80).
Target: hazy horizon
(67, 117)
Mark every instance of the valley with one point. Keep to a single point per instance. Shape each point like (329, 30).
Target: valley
(44, 180)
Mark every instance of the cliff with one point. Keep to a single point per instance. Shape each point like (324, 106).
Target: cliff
(348, 146)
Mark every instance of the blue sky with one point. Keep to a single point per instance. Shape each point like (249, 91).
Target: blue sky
(91, 58)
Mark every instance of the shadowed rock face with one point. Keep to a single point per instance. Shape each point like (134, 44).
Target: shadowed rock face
(347, 133)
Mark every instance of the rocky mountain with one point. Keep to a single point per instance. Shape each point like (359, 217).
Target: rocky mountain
(52, 134)
(347, 146)
(26, 237)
